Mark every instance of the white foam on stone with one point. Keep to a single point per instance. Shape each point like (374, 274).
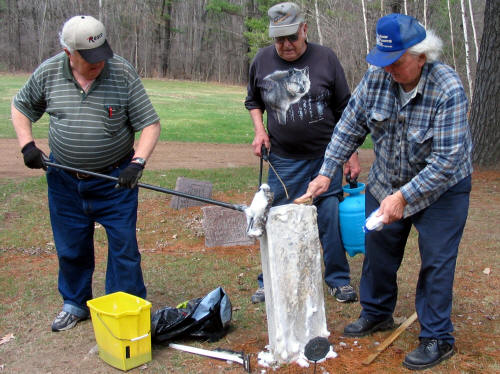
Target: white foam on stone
(291, 263)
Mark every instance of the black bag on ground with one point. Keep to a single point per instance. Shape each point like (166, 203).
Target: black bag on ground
(204, 318)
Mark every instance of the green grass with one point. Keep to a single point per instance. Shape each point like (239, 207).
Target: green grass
(24, 217)
(189, 111)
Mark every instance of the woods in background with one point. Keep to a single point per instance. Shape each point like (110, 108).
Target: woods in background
(214, 40)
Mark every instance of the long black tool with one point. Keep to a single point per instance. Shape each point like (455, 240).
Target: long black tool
(238, 207)
(263, 156)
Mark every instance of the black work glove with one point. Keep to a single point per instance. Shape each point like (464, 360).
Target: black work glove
(33, 156)
(130, 175)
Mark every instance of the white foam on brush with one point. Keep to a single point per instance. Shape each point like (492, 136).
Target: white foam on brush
(256, 213)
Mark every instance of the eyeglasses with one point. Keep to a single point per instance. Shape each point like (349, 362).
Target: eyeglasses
(291, 38)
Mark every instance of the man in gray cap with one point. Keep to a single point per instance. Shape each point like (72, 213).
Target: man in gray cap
(96, 102)
(302, 87)
(415, 109)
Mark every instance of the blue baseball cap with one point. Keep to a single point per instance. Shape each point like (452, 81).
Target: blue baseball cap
(395, 34)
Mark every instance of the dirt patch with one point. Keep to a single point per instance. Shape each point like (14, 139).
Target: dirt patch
(167, 155)
(170, 241)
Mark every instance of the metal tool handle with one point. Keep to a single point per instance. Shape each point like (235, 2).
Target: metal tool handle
(263, 156)
(240, 208)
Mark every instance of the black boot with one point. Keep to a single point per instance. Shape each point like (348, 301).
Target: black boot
(363, 327)
(429, 353)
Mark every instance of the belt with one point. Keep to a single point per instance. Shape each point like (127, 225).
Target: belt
(106, 170)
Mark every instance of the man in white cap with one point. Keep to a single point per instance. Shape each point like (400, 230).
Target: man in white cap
(96, 102)
(302, 87)
(415, 109)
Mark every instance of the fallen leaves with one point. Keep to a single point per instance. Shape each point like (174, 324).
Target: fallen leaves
(7, 338)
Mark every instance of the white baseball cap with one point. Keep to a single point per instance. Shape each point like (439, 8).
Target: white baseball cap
(87, 35)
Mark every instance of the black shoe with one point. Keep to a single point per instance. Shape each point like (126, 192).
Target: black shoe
(343, 294)
(429, 353)
(363, 327)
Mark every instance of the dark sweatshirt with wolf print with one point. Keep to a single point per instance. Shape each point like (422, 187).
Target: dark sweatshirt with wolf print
(304, 99)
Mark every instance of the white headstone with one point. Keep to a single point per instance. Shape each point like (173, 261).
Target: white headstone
(291, 263)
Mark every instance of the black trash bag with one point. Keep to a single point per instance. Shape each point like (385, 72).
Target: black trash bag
(204, 318)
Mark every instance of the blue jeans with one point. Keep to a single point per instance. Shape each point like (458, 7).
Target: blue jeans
(440, 227)
(296, 174)
(75, 205)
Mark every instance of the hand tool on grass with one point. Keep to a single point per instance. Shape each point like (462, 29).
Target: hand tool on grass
(256, 213)
(387, 342)
(237, 357)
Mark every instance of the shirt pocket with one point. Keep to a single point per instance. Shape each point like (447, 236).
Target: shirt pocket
(114, 118)
(419, 144)
(378, 123)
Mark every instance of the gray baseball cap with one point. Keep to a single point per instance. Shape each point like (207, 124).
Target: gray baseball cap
(284, 19)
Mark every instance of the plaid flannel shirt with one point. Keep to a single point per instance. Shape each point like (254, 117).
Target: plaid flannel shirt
(422, 148)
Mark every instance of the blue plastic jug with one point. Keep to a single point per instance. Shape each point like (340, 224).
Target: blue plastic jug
(352, 218)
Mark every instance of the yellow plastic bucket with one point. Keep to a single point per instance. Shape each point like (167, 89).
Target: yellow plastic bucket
(122, 328)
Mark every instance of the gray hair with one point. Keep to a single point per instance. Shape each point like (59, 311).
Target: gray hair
(61, 39)
(431, 47)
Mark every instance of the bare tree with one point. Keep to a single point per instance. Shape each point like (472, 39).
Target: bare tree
(42, 33)
(466, 41)
(316, 13)
(471, 12)
(215, 39)
(425, 13)
(451, 36)
(366, 30)
(485, 111)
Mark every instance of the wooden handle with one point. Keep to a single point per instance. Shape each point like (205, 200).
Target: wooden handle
(387, 342)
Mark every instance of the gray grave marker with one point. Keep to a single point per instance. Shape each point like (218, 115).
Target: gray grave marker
(225, 227)
(193, 187)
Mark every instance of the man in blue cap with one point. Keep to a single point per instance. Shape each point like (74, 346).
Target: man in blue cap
(415, 109)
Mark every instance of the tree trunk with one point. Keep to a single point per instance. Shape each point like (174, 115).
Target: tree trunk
(166, 16)
(471, 12)
(485, 111)
(366, 30)
(316, 13)
(466, 43)
(451, 37)
(42, 34)
(425, 13)
(396, 6)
